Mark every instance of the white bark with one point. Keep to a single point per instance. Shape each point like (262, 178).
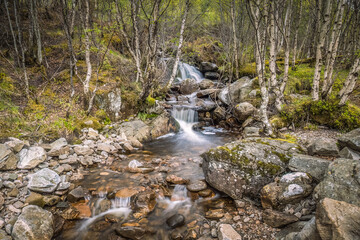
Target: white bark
(35, 24)
(298, 20)
(350, 82)
(273, 52)
(322, 29)
(235, 41)
(181, 39)
(86, 83)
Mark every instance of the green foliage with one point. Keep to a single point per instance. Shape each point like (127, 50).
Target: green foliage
(102, 115)
(304, 111)
(150, 101)
(248, 69)
(144, 116)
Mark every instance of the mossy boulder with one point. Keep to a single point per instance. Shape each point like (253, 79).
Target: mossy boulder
(243, 167)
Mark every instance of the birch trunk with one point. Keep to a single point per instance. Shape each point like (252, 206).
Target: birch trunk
(86, 83)
(322, 29)
(12, 33)
(235, 41)
(349, 82)
(298, 20)
(134, 17)
(333, 49)
(35, 23)
(181, 39)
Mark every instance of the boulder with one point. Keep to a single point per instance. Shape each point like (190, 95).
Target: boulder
(204, 105)
(208, 67)
(337, 220)
(162, 125)
(207, 92)
(59, 147)
(196, 186)
(189, 86)
(15, 144)
(349, 153)
(278, 219)
(110, 101)
(242, 168)
(308, 232)
(136, 129)
(8, 160)
(206, 84)
(251, 132)
(34, 223)
(244, 110)
(227, 232)
(212, 75)
(106, 147)
(342, 182)
(130, 232)
(175, 221)
(323, 147)
(83, 150)
(219, 114)
(76, 194)
(351, 140)
(314, 166)
(30, 158)
(44, 181)
(237, 92)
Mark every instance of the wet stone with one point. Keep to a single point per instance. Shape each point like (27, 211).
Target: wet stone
(214, 214)
(134, 233)
(196, 186)
(175, 221)
(205, 193)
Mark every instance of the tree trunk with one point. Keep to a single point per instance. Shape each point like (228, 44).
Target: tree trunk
(350, 82)
(12, 34)
(86, 23)
(181, 39)
(298, 20)
(322, 29)
(333, 49)
(235, 41)
(35, 24)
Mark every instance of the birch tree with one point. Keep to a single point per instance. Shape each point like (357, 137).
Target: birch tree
(36, 30)
(181, 39)
(235, 41)
(350, 82)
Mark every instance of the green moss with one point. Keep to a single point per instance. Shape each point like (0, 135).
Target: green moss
(95, 123)
(268, 168)
(150, 101)
(283, 157)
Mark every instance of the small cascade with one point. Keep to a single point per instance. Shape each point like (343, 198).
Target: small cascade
(187, 71)
(187, 118)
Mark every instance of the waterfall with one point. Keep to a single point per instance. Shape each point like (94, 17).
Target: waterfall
(187, 71)
(187, 118)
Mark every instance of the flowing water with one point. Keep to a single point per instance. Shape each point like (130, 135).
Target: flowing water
(187, 71)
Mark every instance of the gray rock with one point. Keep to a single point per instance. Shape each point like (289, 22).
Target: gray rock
(212, 75)
(83, 150)
(34, 223)
(134, 233)
(30, 158)
(206, 84)
(309, 232)
(337, 220)
(189, 86)
(219, 114)
(15, 144)
(45, 181)
(351, 140)
(323, 147)
(342, 182)
(8, 160)
(350, 154)
(314, 166)
(227, 232)
(4, 235)
(59, 147)
(207, 92)
(106, 147)
(110, 101)
(251, 132)
(196, 186)
(244, 110)
(278, 219)
(76, 194)
(208, 67)
(175, 221)
(242, 168)
(237, 92)
(205, 105)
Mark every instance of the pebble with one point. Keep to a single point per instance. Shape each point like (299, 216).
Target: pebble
(9, 184)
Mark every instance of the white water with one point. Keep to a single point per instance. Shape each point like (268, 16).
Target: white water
(134, 164)
(187, 118)
(178, 200)
(187, 71)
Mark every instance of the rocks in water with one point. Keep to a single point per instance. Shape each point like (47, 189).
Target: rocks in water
(44, 181)
(351, 140)
(162, 125)
(278, 219)
(59, 147)
(8, 160)
(175, 179)
(349, 153)
(206, 84)
(314, 166)
(323, 147)
(237, 92)
(34, 223)
(342, 182)
(208, 67)
(244, 110)
(337, 220)
(207, 92)
(83, 150)
(242, 168)
(189, 86)
(76, 194)
(215, 214)
(212, 75)
(227, 232)
(130, 232)
(176, 220)
(204, 105)
(30, 158)
(196, 186)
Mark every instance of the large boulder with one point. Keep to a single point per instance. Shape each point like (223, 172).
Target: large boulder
(314, 166)
(337, 220)
(349, 153)
(30, 158)
(189, 86)
(351, 140)
(323, 147)
(135, 129)
(244, 110)
(34, 223)
(162, 125)
(206, 84)
(237, 92)
(208, 67)
(44, 181)
(212, 75)
(242, 168)
(8, 160)
(110, 101)
(342, 182)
